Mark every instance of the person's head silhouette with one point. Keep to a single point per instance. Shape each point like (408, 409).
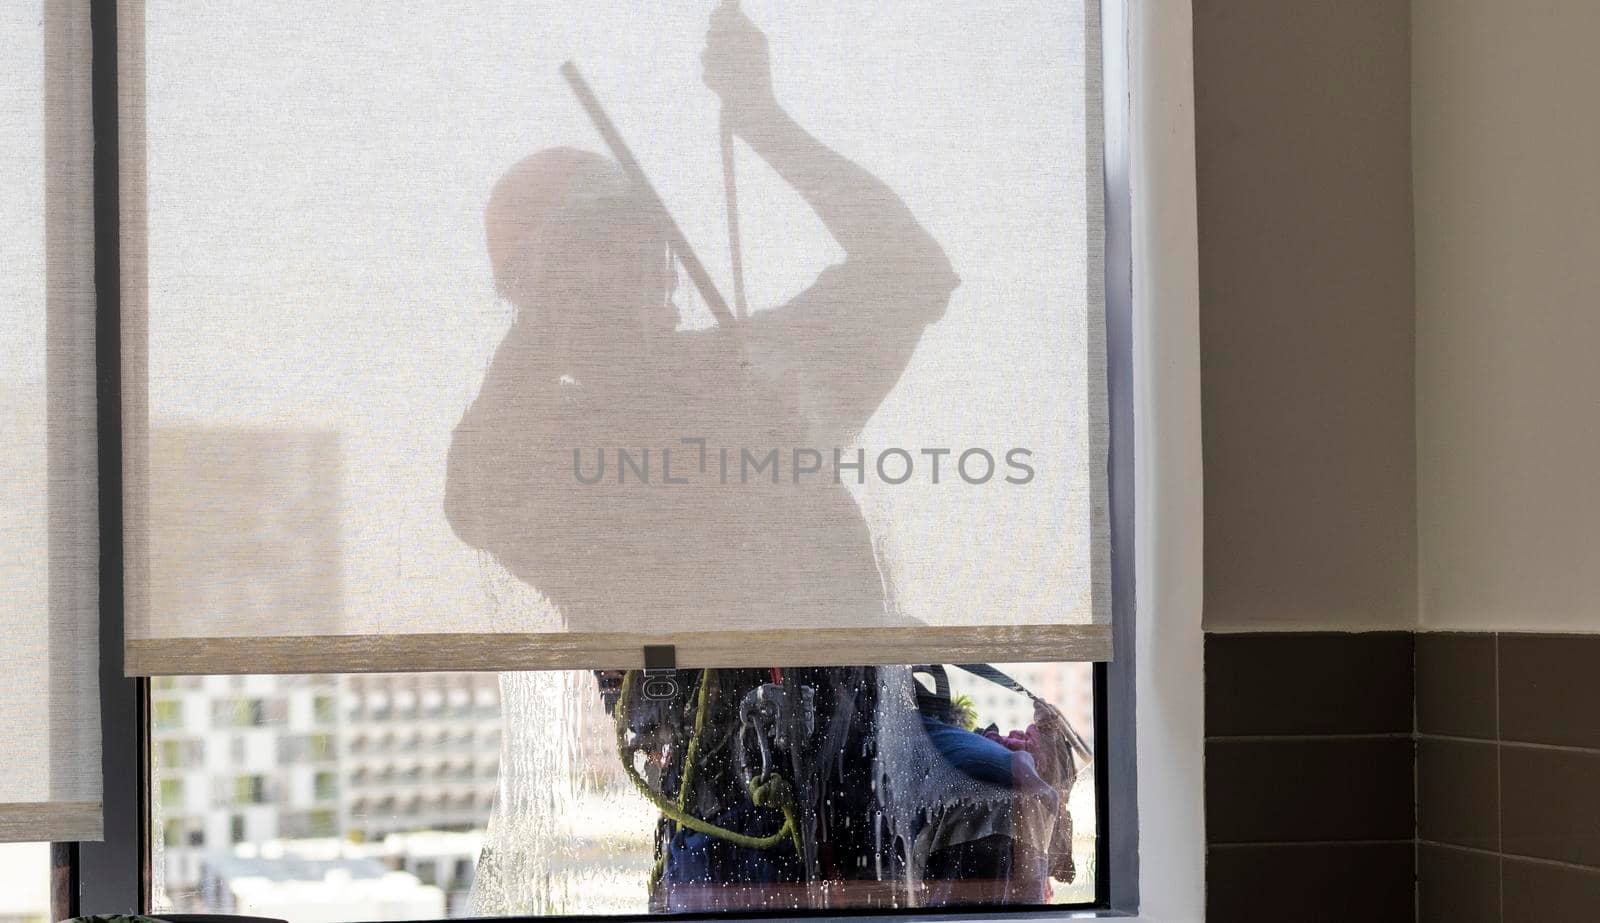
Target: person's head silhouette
(582, 254)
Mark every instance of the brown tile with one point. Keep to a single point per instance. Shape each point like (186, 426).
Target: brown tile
(1454, 886)
(1458, 793)
(1321, 883)
(1456, 685)
(1308, 683)
(1277, 791)
(1550, 804)
(1537, 893)
(1549, 685)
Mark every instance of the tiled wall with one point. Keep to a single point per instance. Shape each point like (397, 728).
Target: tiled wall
(1309, 765)
(1391, 776)
(1508, 778)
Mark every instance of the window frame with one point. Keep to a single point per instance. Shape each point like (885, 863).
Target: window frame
(114, 876)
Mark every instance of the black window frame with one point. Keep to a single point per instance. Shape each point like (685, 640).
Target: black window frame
(114, 876)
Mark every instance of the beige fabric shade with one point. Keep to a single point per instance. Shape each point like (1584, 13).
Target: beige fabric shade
(432, 366)
(50, 701)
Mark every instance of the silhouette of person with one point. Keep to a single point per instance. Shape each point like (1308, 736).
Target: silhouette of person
(596, 361)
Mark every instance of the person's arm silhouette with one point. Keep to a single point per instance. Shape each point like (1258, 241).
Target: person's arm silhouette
(846, 339)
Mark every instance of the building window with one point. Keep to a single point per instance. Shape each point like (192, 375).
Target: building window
(166, 715)
(180, 754)
(324, 710)
(250, 789)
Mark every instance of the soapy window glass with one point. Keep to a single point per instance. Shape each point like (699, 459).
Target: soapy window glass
(434, 795)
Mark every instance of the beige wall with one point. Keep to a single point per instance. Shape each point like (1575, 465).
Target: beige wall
(1507, 163)
(1304, 175)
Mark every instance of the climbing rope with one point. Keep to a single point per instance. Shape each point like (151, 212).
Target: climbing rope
(769, 791)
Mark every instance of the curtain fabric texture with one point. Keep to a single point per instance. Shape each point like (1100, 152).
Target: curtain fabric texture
(770, 330)
(49, 702)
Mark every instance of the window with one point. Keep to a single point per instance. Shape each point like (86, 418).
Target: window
(248, 712)
(325, 786)
(373, 774)
(167, 715)
(172, 794)
(306, 748)
(577, 817)
(173, 831)
(178, 753)
(245, 789)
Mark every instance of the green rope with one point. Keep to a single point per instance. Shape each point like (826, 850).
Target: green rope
(769, 791)
(706, 677)
(686, 784)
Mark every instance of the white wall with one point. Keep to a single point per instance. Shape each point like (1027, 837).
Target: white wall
(1506, 155)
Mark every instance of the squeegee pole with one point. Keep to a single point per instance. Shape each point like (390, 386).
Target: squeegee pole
(619, 150)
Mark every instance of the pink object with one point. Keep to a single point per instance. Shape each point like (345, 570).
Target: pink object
(1027, 741)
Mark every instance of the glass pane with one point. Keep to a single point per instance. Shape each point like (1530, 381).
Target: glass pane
(432, 795)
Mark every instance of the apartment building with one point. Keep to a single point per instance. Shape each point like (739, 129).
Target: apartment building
(255, 759)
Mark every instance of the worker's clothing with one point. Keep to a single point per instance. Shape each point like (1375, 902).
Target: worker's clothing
(981, 833)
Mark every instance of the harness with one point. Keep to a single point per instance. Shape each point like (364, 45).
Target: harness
(767, 789)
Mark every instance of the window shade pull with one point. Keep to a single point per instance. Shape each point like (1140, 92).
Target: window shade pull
(660, 672)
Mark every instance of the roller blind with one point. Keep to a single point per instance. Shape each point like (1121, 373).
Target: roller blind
(508, 335)
(49, 702)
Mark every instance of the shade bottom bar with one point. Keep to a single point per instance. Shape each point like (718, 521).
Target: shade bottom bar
(616, 651)
(51, 821)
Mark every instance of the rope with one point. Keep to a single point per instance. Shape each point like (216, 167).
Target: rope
(687, 782)
(769, 791)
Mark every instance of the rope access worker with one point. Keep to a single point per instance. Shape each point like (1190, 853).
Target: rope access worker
(597, 357)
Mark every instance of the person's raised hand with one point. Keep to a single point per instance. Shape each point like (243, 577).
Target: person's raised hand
(737, 66)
